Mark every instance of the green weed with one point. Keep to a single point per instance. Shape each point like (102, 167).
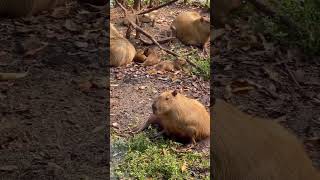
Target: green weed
(155, 159)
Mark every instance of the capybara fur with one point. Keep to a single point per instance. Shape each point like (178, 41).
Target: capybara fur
(191, 28)
(180, 117)
(171, 65)
(122, 51)
(152, 57)
(139, 57)
(222, 9)
(250, 148)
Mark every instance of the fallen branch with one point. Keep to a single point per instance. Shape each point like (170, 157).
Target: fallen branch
(12, 76)
(160, 41)
(151, 38)
(164, 49)
(123, 8)
(140, 30)
(158, 7)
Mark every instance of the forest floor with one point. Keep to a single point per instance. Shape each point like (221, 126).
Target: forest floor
(52, 122)
(268, 80)
(134, 87)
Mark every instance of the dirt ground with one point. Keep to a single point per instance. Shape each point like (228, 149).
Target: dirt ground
(53, 121)
(134, 87)
(268, 80)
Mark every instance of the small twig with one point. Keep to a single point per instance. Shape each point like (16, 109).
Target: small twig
(293, 78)
(158, 7)
(123, 8)
(160, 41)
(151, 38)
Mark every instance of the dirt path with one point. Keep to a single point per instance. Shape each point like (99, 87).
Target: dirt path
(50, 127)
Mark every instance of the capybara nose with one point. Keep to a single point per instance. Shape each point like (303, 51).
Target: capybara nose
(154, 108)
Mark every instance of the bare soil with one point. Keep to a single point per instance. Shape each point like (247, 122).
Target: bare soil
(52, 122)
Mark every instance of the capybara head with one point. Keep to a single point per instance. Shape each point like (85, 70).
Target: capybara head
(164, 103)
(204, 25)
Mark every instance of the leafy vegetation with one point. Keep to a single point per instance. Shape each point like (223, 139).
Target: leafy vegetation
(305, 14)
(203, 64)
(145, 159)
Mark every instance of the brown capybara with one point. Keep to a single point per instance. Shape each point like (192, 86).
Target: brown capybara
(152, 57)
(250, 148)
(192, 29)
(148, 18)
(180, 117)
(139, 57)
(221, 10)
(171, 65)
(122, 51)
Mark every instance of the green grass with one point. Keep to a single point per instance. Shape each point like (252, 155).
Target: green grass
(202, 63)
(155, 159)
(305, 15)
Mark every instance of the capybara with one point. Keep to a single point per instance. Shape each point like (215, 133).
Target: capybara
(180, 117)
(139, 57)
(171, 65)
(192, 29)
(152, 57)
(251, 148)
(122, 51)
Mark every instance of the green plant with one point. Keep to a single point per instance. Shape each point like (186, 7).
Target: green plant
(202, 63)
(144, 159)
(306, 15)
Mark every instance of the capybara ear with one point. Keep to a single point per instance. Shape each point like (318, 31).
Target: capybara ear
(175, 92)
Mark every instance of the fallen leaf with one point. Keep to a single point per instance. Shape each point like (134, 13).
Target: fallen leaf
(8, 168)
(32, 45)
(152, 72)
(241, 87)
(32, 52)
(85, 86)
(70, 25)
(81, 44)
(165, 152)
(59, 12)
(184, 167)
(12, 76)
(142, 87)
